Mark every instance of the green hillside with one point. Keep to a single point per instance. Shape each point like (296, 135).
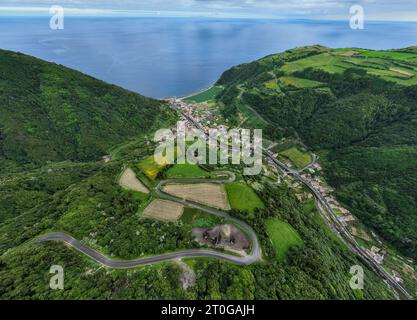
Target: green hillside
(356, 107)
(55, 116)
(49, 112)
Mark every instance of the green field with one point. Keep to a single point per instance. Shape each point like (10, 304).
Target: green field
(253, 119)
(283, 237)
(323, 61)
(138, 196)
(385, 64)
(299, 82)
(310, 209)
(150, 167)
(186, 171)
(390, 73)
(199, 219)
(207, 95)
(300, 159)
(272, 84)
(343, 51)
(393, 55)
(242, 197)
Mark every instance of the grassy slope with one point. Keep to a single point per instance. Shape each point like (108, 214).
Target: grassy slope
(186, 171)
(299, 158)
(199, 219)
(150, 167)
(207, 95)
(299, 82)
(283, 237)
(242, 197)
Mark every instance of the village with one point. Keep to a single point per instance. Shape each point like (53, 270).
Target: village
(202, 114)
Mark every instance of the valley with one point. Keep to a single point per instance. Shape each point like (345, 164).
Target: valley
(131, 220)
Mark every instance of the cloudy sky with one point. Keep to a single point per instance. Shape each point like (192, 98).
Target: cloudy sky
(308, 9)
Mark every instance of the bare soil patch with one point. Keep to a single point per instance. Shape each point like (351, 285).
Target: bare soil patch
(402, 72)
(225, 236)
(188, 277)
(164, 210)
(129, 181)
(210, 194)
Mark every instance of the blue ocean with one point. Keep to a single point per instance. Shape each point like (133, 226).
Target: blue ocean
(164, 57)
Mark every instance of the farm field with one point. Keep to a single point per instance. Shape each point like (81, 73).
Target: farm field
(396, 66)
(272, 84)
(101, 190)
(210, 194)
(129, 181)
(252, 118)
(242, 197)
(199, 219)
(299, 82)
(325, 61)
(283, 237)
(207, 95)
(151, 168)
(393, 55)
(299, 158)
(163, 210)
(186, 171)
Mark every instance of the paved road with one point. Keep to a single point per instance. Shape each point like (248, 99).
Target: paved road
(312, 163)
(255, 254)
(341, 230)
(332, 221)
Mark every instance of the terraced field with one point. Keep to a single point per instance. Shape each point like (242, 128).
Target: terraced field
(397, 66)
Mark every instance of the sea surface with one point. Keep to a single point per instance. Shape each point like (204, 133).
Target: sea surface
(165, 57)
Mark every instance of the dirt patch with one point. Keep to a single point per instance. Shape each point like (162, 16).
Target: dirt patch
(223, 236)
(350, 53)
(188, 277)
(402, 72)
(164, 210)
(210, 194)
(129, 181)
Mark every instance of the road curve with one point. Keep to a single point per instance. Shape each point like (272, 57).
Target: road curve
(339, 229)
(255, 254)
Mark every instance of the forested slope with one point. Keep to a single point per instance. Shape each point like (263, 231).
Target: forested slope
(358, 109)
(61, 123)
(49, 112)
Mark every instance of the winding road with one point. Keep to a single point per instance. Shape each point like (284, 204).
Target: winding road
(255, 254)
(330, 219)
(338, 228)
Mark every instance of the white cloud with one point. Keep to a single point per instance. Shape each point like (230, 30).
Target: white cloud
(377, 9)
